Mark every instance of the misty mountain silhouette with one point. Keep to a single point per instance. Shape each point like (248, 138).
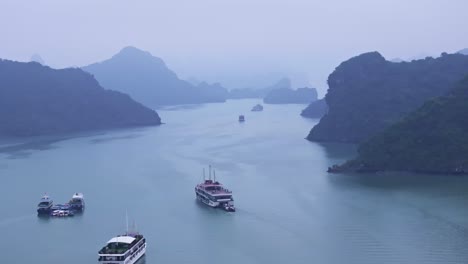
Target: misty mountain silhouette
(283, 83)
(38, 100)
(37, 58)
(290, 96)
(431, 139)
(148, 80)
(463, 51)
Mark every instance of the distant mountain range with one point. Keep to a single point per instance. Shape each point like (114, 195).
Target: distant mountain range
(38, 100)
(290, 96)
(148, 80)
(463, 51)
(432, 139)
(368, 94)
(283, 83)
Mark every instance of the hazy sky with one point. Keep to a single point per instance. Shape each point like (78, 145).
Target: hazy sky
(232, 41)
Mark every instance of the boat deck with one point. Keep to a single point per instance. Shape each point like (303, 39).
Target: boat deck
(215, 189)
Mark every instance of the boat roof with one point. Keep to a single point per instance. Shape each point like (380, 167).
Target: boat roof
(46, 199)
(77, 196)
(122, 239)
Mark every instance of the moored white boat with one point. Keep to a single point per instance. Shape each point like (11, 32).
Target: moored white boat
(45, 205)
(62, 213)
(77, 202)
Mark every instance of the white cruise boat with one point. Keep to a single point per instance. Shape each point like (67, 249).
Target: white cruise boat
(45, 205)
(77, 202)
(123, 249)
(213, 193)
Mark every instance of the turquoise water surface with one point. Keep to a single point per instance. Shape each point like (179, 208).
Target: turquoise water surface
(290, 210)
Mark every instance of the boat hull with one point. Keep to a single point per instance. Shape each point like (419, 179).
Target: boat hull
(77, 208)
(44, 211)
(226, 206)
(207, 201)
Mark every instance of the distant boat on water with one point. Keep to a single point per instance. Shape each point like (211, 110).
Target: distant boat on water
(257, 108)
(241, 118)
(46, 206)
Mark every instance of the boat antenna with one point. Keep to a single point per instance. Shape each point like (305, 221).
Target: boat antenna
(204, 174)
(134, 227)
(209, 174)
(214, 175)
(126, 219)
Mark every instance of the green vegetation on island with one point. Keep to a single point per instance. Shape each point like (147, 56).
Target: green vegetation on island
(37, 100)
(432, 139)
(368, 93)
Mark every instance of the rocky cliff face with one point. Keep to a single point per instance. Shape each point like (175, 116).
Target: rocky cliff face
(315, 109)
(367, 93)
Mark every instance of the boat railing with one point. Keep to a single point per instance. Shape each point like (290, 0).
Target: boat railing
(221, 191)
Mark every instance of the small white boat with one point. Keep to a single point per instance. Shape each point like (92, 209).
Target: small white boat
(62, 213)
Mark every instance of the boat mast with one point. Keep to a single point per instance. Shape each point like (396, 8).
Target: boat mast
(209, 174)
(214, 175)
(134, 229)
(204, 174)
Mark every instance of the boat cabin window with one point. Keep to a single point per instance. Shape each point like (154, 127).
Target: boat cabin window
(75, 201)
(43, 204)
(223, 197)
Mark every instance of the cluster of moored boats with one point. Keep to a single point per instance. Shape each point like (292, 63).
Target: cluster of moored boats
(46, 206)
(131, 246)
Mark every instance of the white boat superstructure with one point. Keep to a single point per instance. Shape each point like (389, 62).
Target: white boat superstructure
(77, 202)
(125, 249)
(45, 205)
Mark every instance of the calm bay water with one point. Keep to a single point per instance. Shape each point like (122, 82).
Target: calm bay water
(289, 209)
